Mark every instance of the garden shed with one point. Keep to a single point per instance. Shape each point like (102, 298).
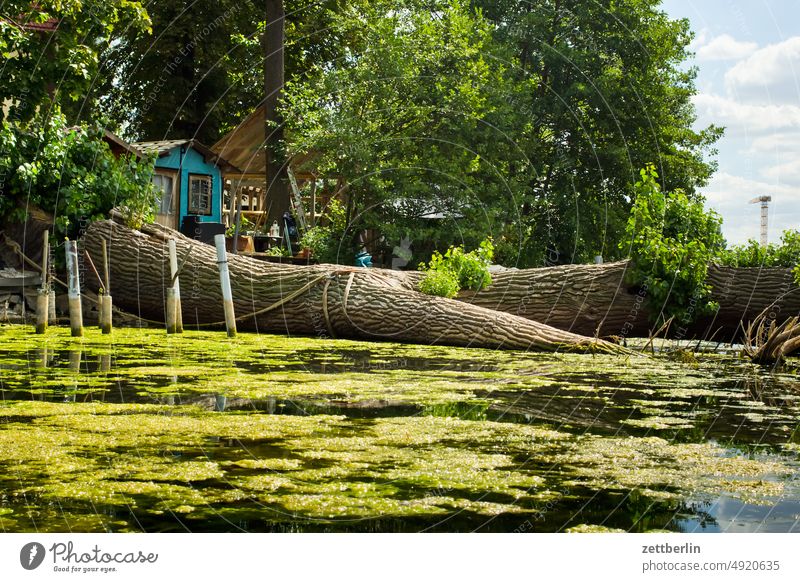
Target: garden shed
(189, 175)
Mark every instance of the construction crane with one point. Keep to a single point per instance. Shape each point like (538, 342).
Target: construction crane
(764, 200)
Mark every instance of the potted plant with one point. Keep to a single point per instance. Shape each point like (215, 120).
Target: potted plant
(314, 242)
(245, 241)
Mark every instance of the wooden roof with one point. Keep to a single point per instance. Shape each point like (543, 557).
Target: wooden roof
(243, 146)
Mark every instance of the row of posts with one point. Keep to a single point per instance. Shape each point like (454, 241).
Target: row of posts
(173, 313)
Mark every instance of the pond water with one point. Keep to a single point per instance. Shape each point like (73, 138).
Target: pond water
(140, 431)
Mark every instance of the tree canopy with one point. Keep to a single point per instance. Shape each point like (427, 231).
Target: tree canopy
(528, 121)
(449, 121)
(52, 50)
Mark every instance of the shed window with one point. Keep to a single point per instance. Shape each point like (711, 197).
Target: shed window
(199, 194)
(166, 204)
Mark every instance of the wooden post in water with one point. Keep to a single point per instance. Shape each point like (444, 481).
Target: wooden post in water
(42, 310)
(106, 313)
(74, 288)
(106, 304)
(52, 306)
(238, 224)
(172, 311)
(43, 298)
(225, 281)
(176, 290)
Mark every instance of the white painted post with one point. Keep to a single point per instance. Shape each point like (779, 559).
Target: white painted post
(176, 288)
(74, 289)
(225, 282)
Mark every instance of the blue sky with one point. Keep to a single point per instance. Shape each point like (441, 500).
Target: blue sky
(748, 56)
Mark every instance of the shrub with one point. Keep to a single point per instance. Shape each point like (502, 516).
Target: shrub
(671, 240)
(752, 254)
(466, 270)
(325, 241)
(442, 283)
(71, 172)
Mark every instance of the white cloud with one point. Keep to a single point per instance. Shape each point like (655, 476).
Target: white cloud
(730, 195)
(776, 143)
(698, 40)
(787, 173)
(769, 75)
(725, 48)
(741, 117)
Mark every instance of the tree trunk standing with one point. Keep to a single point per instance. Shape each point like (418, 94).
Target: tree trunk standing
(322, 300)
(277, 181)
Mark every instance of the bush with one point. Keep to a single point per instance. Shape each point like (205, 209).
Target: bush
(465, 270)
(71, 172)
(671, 240)
(325, 241)
(752, 254)
(442, 283)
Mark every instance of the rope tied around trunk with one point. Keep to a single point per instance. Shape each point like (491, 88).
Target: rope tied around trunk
(327, 277)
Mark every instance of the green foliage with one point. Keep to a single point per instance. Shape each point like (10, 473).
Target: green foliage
(245, 226)
(397, 114)
(277, 251)
(441, 283)
(199, 72)
(42, 68)
(446, 275)
(671, 240)
(71, 172)
(752, 254)
(524, 120)
(327, 240)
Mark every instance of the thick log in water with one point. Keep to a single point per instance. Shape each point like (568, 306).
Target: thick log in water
(596, 300)
(322, 300)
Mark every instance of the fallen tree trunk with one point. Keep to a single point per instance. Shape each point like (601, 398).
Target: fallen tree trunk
(322, 300)
(596, 300)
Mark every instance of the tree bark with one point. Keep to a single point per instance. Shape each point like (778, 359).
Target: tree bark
(596, 300)
(322, 300)
(277, 180)
(587, 300)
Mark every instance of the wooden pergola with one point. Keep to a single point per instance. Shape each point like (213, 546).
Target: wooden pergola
(244, 148)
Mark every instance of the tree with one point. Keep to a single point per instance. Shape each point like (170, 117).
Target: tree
(525, 120)
(672, 240)
(601, 89)
(51, 50)
(173, 81)
(200, 70)
(397, 115)
(276, 176)
(70, 172)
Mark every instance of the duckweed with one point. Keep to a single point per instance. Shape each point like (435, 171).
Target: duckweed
(143, 431)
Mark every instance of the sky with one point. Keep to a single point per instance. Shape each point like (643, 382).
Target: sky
(748, 57)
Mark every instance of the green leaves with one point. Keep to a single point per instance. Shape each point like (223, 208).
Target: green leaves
(752, 254)
(71, 172)
(397, 114)
(59, 65)
(446, 275)
(671, 240)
